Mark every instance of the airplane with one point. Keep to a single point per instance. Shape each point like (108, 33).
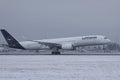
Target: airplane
(70, 43)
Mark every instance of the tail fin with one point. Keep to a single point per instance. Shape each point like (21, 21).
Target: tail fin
(12, 42)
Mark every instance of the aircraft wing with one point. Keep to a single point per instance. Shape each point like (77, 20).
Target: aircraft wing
(51, 45)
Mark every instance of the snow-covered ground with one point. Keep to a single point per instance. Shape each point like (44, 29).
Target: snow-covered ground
(59, 67)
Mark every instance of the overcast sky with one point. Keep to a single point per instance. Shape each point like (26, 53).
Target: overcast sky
(42, 19)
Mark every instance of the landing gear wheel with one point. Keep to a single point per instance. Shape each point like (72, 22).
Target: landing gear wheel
(55, 53)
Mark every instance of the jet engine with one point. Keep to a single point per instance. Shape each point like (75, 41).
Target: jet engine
(67, 46)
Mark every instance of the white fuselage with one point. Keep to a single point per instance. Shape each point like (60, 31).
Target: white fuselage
(67, 43)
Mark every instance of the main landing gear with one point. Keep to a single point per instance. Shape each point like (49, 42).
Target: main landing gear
(56, 51)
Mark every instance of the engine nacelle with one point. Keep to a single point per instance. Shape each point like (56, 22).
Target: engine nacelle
(67, 46)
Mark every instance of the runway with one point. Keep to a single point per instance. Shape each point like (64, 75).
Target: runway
(63, 67)
(62, 53)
